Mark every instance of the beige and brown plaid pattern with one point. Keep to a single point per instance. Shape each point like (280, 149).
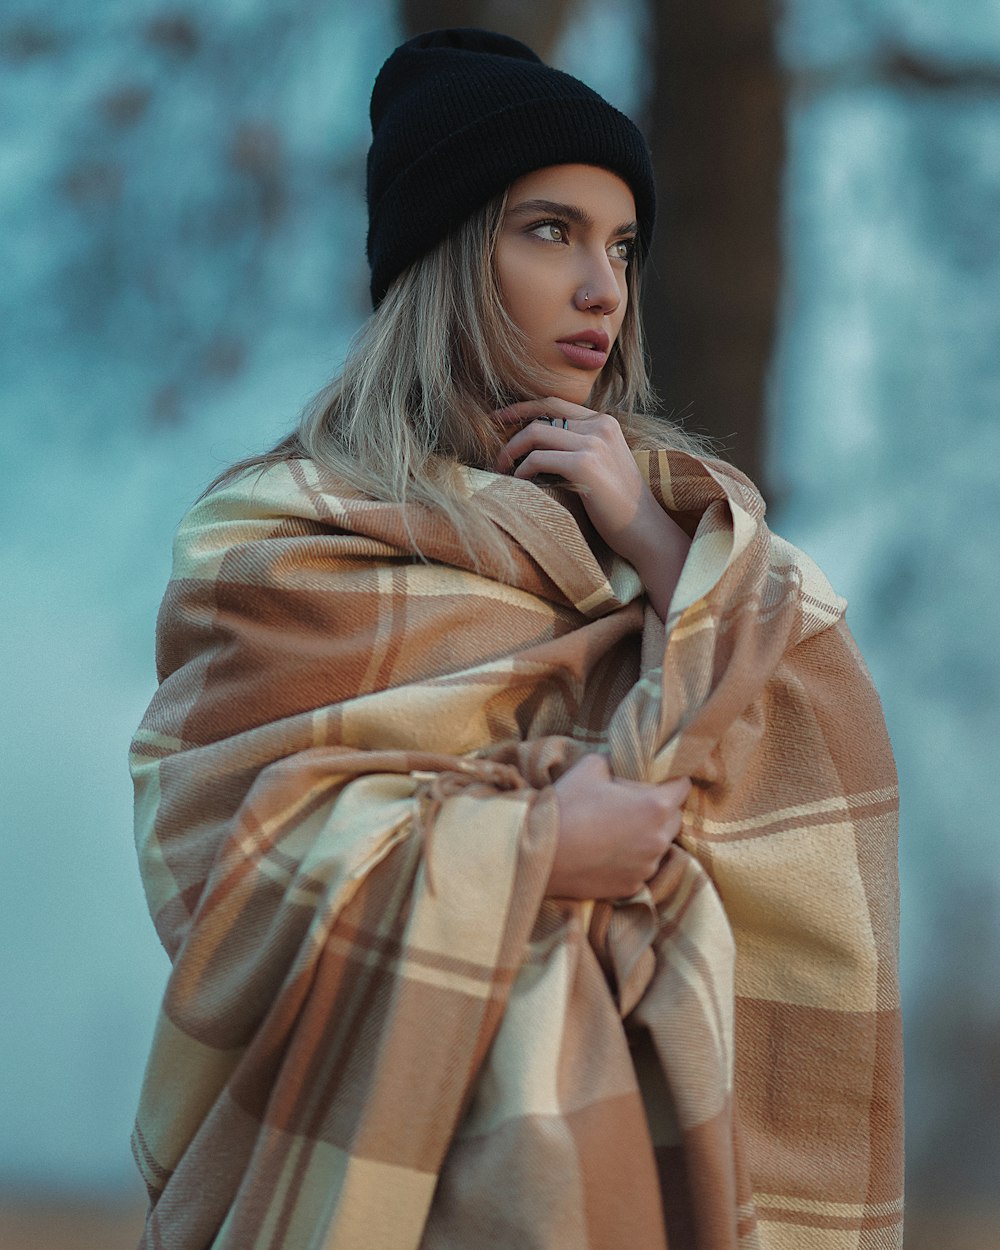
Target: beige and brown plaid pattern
(378, 1033)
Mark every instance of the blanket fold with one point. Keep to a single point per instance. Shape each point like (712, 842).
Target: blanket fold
(378, 1031)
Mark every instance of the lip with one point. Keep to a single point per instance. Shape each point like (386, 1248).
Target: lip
(598, 339)
(587, 350)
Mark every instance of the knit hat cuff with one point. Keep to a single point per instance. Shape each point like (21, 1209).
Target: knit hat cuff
(501, 146)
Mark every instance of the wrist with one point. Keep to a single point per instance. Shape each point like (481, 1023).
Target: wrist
(656, 548)
(653, 537)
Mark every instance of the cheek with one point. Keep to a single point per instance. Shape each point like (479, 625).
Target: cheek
(624, 291)
(519, 289)
(620, 311)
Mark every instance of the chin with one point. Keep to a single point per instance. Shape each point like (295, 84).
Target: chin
(575, 390)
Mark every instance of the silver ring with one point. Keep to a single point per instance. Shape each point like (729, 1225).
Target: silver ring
(551, 420)
(565, 424)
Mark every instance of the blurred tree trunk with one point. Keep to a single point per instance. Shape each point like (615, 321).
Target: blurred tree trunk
(716, 126)
(538, 23)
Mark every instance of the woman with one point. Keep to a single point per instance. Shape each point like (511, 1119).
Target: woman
(460, 956)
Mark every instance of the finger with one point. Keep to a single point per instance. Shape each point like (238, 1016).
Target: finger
(539, 435)
(517, 415)
(677, 790)
(565, 408)
(534, 409)
(527, 410)
(592, 765)
(546, 460)
(547, 434)
(674, 792)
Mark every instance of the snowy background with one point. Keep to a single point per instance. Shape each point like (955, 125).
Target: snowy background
(182, 265)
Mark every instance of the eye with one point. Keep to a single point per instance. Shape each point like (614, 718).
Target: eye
(550, 231)
(623, 250)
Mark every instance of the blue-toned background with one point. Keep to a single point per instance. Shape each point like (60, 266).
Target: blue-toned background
(182, 265)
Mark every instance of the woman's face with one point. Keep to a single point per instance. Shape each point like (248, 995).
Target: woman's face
(564, 248)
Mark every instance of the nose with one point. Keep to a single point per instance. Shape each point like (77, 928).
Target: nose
(598, 289)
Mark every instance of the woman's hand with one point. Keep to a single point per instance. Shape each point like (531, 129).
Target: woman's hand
(612, 834)
(589, 450)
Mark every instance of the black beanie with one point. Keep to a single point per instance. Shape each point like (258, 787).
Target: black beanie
(458, 115)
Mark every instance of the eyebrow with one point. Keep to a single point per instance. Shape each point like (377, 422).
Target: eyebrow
(570, 212)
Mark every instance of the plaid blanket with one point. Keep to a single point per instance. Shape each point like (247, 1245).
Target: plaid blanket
(378, 1032)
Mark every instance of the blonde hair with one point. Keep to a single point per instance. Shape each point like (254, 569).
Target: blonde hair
(415, 401)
